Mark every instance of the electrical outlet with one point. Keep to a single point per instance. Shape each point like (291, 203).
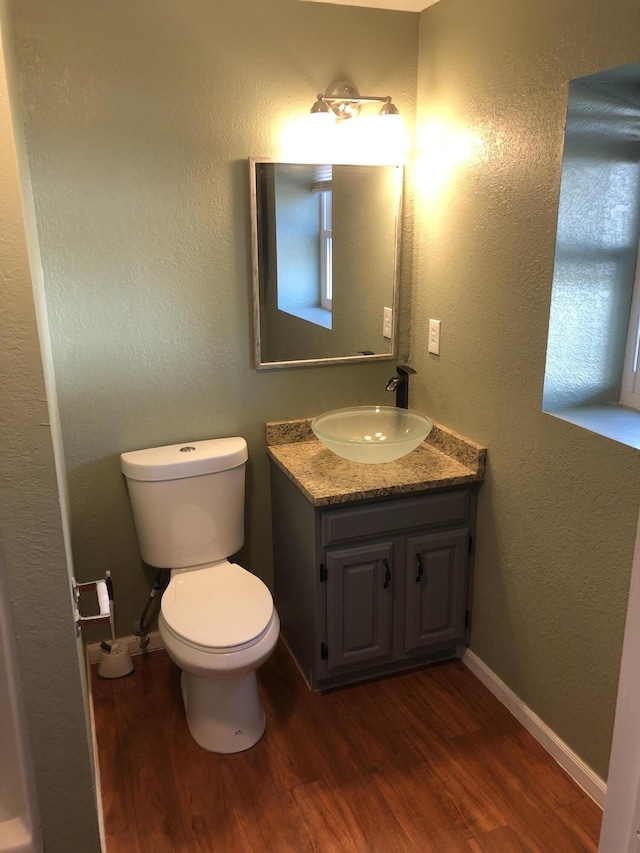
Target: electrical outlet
(387, 323)
(434, 337)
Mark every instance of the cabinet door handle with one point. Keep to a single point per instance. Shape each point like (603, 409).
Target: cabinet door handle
(387, 574)
(420, 567)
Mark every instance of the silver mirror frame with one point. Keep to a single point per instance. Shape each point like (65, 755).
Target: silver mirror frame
(311, 362)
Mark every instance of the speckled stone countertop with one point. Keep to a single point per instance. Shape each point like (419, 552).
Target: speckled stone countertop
(444, 459)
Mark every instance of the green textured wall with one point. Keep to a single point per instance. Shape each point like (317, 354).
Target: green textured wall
(33, 560)
(597, 242)
(558, 511)
(140, 119)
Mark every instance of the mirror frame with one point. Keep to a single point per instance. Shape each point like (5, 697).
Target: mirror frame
(255, 274)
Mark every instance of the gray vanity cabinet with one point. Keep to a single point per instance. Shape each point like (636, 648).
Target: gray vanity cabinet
(359, 599)
(368, 588)
(435, 583)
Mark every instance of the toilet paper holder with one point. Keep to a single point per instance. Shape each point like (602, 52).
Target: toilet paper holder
(103, 588)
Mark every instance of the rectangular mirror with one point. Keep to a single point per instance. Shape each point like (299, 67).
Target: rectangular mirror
(325, 252)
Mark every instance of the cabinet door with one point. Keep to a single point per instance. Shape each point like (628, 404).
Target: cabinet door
(435, 589)
(359, 595)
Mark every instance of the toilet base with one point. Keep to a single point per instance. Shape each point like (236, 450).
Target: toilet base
(224, 714)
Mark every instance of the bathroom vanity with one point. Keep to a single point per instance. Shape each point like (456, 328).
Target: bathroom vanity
(373, 564)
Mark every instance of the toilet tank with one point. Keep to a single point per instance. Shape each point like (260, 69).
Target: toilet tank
(188, 501)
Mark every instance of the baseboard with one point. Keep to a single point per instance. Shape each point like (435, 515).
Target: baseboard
(95, 756)
(580, 772)
(155, 642)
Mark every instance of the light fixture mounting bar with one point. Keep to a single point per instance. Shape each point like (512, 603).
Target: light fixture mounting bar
(361, 99)
(345, 101)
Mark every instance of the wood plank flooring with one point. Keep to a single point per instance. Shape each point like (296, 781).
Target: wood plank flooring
(425, 761)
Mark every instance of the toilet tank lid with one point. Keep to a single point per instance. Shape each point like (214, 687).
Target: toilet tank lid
(188, 459)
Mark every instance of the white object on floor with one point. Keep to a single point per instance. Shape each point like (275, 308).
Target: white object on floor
(115, 663)
(217, 620)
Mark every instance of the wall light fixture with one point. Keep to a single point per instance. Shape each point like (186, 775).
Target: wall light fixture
(344, 100)
(326, 136)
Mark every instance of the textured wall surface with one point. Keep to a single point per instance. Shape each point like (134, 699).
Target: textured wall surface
(140, 119)
(558, 511)
(32, 541)
(597, 242)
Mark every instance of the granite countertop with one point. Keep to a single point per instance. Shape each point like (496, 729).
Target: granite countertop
(444, 459)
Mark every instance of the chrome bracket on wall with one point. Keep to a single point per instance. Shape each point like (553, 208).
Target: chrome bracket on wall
(104, 592)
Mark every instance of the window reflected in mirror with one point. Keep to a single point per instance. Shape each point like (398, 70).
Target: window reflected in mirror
(325, 253)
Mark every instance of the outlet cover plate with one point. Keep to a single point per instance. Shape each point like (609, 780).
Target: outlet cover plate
(387, 323)
(434, 337)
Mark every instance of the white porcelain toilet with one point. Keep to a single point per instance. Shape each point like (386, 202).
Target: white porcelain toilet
(217, 620)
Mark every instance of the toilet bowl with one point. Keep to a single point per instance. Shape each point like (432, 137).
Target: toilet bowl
(217, 620)
(219, 646)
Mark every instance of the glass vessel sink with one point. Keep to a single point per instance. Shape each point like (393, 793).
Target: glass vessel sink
(371, 434)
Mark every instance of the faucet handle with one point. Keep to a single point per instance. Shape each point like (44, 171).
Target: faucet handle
(405, 370)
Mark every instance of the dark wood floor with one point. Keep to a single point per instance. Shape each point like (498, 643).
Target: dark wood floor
(426, 761)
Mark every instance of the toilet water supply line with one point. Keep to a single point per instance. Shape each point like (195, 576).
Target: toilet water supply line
(140, 628)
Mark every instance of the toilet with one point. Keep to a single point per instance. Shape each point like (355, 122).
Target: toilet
(217, 620)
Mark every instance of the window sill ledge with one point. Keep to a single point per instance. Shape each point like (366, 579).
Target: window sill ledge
(617, 422)
(317, 316)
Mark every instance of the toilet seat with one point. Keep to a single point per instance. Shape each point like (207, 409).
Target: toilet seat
(217, 608)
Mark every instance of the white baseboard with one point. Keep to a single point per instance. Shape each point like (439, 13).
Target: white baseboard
(155, 642)
(96, 760)
(581, 773)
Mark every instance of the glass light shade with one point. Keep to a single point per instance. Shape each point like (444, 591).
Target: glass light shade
(393, 132)
(324, 120)
(309, 138)
(367, 138)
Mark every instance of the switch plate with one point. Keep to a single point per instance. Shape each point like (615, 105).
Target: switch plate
(434, 337)
(387, 323)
